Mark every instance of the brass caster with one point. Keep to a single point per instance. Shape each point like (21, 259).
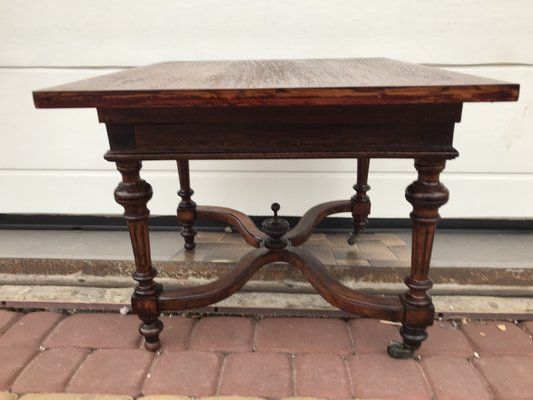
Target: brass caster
(351, 238)
(400, 350)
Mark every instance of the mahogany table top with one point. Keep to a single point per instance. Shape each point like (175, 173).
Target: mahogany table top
(244, 83)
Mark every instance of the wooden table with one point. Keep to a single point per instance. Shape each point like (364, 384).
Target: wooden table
(342, 108)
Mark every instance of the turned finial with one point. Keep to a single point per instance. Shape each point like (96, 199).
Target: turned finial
(275, 207)
(275, 228)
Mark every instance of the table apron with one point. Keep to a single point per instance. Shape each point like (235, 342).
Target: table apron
(220, 141)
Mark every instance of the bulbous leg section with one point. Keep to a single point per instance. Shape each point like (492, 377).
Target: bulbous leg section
(150, 328)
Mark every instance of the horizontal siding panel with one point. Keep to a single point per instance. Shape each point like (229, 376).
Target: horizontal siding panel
(135, 32)
(472, 195)
(497, 137)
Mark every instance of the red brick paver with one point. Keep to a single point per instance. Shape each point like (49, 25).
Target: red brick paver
(377, 376)
(13, 360)
(30, 330)
(445, 339)
(188, 373)
(295, 356)
(303, 335)
(488, 339)
(372, 336)
(322, 375)
(509, 377)
(96, 331)
(454, 378)
(112, 372)
(225, 334)
(257, 374)
(50, 371)
(176, 333)
(6, 319)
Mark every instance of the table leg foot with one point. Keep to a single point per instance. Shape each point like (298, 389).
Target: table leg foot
(188, 233)
(150, 328)
(412, 339)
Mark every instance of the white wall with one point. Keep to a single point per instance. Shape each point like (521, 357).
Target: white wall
(51, 160)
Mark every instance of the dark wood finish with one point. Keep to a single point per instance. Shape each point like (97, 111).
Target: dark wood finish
(207, 139)
(330, 115)
(186, 207)
(360, 200)
(358, 108)
(244, 224)
(133, 193)
(275, 83)
(426, 195)
(341, 296)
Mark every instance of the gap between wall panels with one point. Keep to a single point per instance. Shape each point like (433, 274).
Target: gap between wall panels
(169, 223)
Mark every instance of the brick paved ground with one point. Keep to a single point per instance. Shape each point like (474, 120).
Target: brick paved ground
(97, 353)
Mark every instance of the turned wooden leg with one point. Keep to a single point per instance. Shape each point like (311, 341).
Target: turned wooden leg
(187, 207)
(360, 200)
(133, 193)
(426, 195)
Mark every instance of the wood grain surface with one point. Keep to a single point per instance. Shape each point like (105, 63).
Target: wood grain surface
(275, 83)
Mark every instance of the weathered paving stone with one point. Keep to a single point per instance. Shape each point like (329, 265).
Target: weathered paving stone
(454, 378)
(112, 372)
(303, 335)
(322, 375)
(96, 331)
(176, 334)
(223, 334)
(497, 338)
(71, 396)
(372, 336)
(50, 371)
(6, 319)
(445, 339)
(257, 374)
(30, 330)
(509, 377)
(377, 376)
(17, 358)
(189, 373)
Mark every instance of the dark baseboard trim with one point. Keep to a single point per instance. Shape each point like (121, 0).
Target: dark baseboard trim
(165, 223)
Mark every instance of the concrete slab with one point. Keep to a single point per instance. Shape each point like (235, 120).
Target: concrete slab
(496, 249)
(92, 270)
(246, 302)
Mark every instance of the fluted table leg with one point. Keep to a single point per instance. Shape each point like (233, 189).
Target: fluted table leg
(133, 194)
(426, 195)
